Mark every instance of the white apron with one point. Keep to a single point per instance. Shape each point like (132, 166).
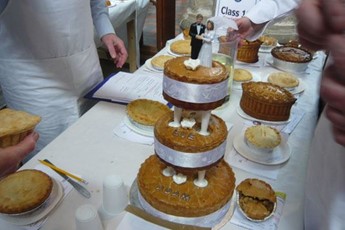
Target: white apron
(325, 182)
(48, 60)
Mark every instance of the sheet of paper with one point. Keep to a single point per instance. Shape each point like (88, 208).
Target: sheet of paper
(125, 87)
(270, 224)
(268, 171)
(132, 222)
(123, 131)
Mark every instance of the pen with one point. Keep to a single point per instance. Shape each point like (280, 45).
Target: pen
(63, 172)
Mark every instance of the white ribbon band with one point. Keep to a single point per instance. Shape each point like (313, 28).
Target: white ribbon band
(189, 160)
(209, 220)
(195, 93)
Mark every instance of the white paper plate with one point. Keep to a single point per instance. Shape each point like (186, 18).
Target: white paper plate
(299, 89)
(279, 155)
(150, 68)
(136, 129)
(247, 117)
(32, 217)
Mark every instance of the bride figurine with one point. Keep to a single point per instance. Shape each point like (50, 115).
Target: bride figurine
(205, 55)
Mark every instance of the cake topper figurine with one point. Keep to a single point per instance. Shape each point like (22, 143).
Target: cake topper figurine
(195, 31)
(205, 54)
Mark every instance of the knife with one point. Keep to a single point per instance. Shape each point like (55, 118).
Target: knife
(82, 190)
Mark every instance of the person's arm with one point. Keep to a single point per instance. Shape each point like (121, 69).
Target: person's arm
(263, 14)
(106, 32)
(11, 157)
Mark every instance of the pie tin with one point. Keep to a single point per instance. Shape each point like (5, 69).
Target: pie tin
(290, 66)
(253, 220)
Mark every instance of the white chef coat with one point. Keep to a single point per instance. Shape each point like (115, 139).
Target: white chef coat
(48, 59)
(325, 182)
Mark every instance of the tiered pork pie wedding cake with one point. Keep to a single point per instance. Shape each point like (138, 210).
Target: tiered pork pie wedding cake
(187, 179)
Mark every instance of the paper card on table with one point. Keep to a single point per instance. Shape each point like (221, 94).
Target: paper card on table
(270, 224)
(131, 221)
(295, 118)
(122, 130)
(125, 87)
(268, 171)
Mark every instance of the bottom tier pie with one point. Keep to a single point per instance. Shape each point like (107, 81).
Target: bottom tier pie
(185, 200)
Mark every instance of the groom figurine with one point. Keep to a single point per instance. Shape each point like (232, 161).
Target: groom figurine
(195, 31)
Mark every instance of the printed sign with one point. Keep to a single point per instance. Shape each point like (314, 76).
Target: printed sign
(234, 8)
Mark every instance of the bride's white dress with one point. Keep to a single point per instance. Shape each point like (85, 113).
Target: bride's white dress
(205, 54)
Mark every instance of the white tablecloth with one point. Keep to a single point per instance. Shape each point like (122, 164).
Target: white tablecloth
(90, 148)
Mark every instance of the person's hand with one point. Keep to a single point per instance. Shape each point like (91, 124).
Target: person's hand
(200, 37)
(11, 157)
(333, 88)
(247, 28)
(311, 26)
(116, 48)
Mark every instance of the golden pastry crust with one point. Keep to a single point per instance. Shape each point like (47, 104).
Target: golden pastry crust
(268, 40)
(263, 136)
(15, 126)
(146, 112)
(266, 101)
(256, 198)
(181, 47)
(242, 75)
(175, 69)
(186, 34)
(291, 54)
(186, 199)
(188, 139)
(159, 61)
(248, 51)
(283, 79)
(24, 190)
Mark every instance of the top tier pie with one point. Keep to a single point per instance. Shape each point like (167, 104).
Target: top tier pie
(266, 101)
(15, 126)
(200, 89)
(24, 191)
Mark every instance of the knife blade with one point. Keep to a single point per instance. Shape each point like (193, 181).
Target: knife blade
(82, 190)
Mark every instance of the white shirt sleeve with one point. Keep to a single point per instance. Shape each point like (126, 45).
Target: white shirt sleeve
(100, 18)
(270, 11)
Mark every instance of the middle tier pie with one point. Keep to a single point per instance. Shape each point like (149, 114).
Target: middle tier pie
(185, 147)
(200, 89)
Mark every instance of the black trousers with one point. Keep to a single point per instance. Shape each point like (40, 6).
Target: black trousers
(196, 49)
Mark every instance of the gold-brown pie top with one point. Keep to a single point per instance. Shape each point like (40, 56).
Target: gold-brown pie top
(286, 80)
(242, 75)
(268, 40)
(15, 122)
(291, 54)
(23, 191)
(188, 139)
(269, 92)
(146, 112)
(185, 199)
(263, 136)
(176, 70)
(181, 47)
(256, 198)
(158, 61)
